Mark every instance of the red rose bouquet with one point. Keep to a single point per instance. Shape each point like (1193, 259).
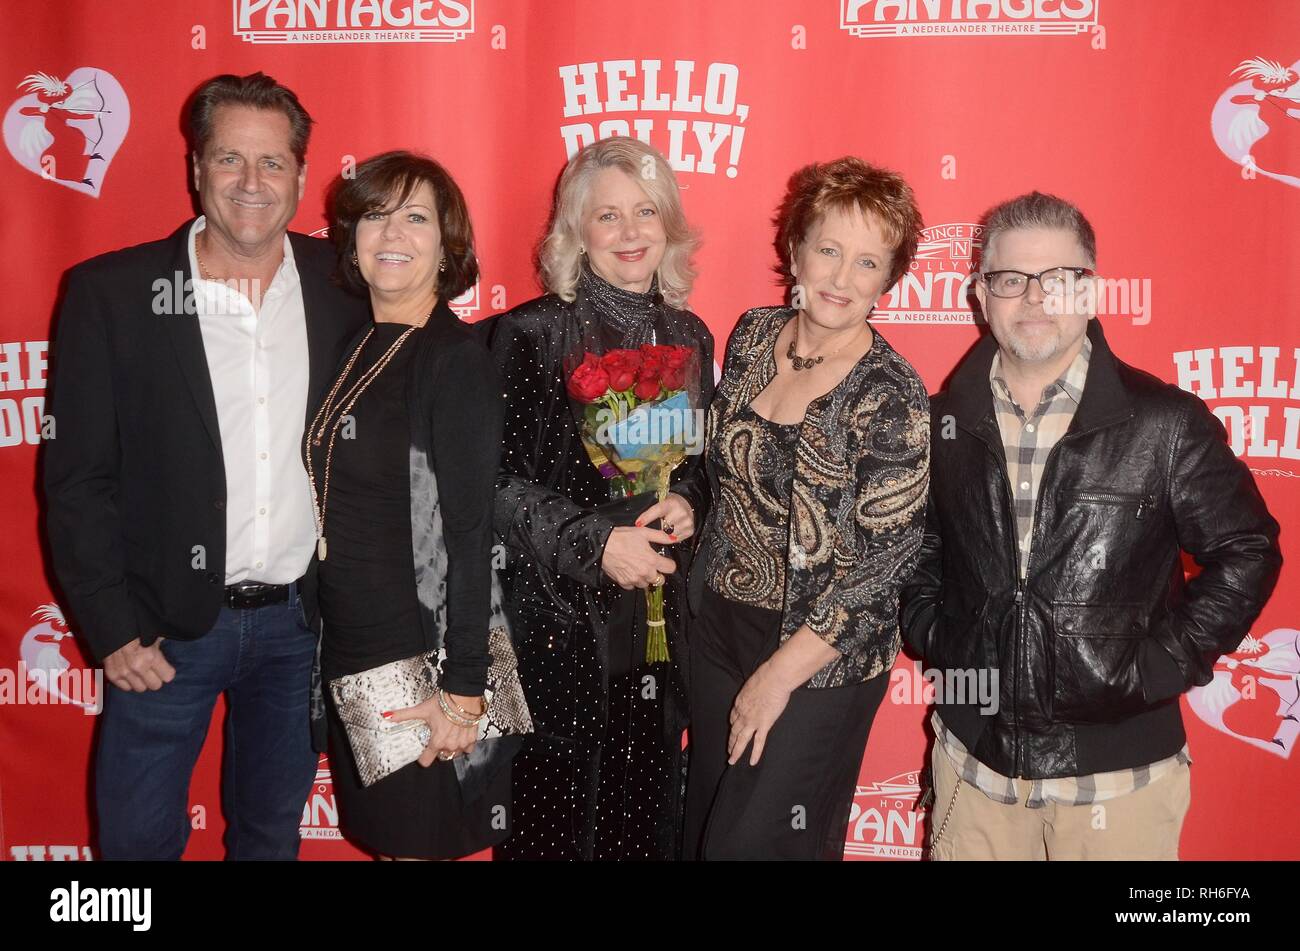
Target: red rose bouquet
(639, 415)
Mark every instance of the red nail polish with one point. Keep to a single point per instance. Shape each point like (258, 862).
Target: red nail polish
(673, 537)
(638, 524)
(387, 714)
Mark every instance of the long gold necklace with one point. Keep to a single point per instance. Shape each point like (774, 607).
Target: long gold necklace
(321, 422)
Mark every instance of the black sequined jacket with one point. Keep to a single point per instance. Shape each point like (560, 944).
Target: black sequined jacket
(552, 507)
(857, 515)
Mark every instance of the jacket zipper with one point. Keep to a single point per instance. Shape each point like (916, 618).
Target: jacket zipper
(1029, 561)
(1001, 459)
(1144, 502)
(1022, 604)
(1029, 558)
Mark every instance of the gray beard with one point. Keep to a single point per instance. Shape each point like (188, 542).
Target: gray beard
(1038, 351)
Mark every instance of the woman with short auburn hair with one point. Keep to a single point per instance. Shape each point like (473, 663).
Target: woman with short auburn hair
(818, 461)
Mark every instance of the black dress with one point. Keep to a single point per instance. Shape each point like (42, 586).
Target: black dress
(603, 775)
(370, 613)
(795, 803)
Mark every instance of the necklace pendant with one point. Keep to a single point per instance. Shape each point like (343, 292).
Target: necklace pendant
(803, 363)
(321, 548)
(316, 441)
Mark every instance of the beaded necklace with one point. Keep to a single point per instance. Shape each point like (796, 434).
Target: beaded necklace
(316, 432)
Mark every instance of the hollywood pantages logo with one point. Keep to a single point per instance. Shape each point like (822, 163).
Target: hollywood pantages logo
(877, 18)
(353, 21)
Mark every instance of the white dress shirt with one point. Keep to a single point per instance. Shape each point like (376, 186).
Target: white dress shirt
(259, 368)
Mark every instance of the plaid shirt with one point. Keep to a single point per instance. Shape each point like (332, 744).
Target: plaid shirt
(1067, 790)
(1028, 441)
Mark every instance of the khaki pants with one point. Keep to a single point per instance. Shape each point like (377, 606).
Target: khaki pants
(1145, 824)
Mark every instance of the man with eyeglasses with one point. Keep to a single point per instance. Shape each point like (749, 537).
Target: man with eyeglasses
(1065, 486)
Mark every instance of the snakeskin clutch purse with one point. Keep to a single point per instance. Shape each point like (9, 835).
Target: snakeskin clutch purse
(380, 747)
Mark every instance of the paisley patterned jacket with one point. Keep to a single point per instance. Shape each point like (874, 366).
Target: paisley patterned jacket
(857, 511)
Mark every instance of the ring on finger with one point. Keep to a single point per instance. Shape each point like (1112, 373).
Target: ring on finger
(659, 579)
(444, 755)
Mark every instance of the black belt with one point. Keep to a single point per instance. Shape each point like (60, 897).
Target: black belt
(255, 594)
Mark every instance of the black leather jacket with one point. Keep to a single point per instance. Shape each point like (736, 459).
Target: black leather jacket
(1094, 647)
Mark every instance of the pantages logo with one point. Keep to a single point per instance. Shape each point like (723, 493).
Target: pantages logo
(884, 821)
(868, 18)
(320, 813)
(353, 21)
(936, 287)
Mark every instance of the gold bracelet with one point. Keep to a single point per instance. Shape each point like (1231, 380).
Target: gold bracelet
(452, 716)
(465, 713)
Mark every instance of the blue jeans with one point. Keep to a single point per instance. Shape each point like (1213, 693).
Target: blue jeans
(261, 658)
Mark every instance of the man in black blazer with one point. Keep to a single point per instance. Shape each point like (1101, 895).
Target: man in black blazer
(180, 516)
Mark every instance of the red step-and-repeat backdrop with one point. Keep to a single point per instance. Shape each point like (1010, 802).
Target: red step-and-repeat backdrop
(1174, 125)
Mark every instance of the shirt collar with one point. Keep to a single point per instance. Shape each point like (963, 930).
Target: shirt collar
(287, 270)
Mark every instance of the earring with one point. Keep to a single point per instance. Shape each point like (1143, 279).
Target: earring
(355, 262)
(582, 250)
(442, 265)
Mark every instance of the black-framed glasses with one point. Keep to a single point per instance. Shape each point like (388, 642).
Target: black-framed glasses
(1053, 281)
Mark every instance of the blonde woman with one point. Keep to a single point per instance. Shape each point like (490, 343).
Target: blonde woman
(601, 777)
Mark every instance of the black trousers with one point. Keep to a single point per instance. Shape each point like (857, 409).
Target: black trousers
(795, 803)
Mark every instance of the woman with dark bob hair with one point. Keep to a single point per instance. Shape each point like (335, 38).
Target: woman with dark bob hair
(401, 456)
(818, 460)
